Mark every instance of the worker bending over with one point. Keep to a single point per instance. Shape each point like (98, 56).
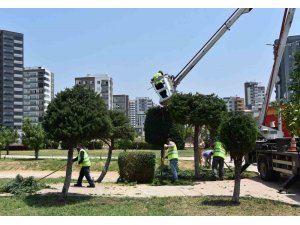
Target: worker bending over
(218, 160)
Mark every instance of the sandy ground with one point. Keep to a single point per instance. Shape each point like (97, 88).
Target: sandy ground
(249, 187)
(254, 187)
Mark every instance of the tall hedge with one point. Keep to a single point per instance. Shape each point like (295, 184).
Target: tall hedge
(136, 166)
(159, 126)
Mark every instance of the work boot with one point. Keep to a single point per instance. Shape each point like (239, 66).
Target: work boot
(221, 178)
(91, 186)
(77, 185)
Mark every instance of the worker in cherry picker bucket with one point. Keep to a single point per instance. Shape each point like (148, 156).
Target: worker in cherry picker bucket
(159, 83)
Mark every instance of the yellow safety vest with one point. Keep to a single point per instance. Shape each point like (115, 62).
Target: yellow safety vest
(172, 152)
(157, 79)
(219, 150)
(86, 159)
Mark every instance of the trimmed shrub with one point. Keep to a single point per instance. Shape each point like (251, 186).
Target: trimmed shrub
(136, 167)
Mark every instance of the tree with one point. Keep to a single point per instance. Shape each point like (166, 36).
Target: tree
(76, 115)
(7, 137)
(238, 134)
(197, 110)
(121, 129)
(291, 112)
(33, 136)
(159, 126)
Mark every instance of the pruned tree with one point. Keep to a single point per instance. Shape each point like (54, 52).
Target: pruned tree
(121, 129)
(238, 133)
(197, 110)
(33, 136)
(76, 115)
(159, 126)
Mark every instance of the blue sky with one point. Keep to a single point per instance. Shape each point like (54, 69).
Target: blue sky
(132, 44)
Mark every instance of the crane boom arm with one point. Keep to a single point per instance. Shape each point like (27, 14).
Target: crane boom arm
(286, 25)
(222, 30)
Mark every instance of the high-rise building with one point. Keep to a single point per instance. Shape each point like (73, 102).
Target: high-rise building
(132, 112)
(38, 92)
(121, 103)
(142, 104)
(11, 79)
(254, 96)
(287, 65)
(102, 84)
(234, 104)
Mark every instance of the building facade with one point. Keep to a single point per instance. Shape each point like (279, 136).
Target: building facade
(11, 79)
(287, 65)
(38, 92)
(234, 104)
(102, 84)
(121, 103)
(142, 104)
(132, 112)
(254, 95)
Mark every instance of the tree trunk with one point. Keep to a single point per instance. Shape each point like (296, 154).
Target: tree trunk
(7, 152)
(237, 179)
(36, 154)
(68, 174)
(107, 163)
(196, 153)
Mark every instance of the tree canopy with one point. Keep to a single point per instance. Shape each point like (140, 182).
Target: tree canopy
(76, 115)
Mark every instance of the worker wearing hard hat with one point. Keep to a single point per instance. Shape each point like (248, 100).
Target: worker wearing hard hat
(172, 155)
(218, 160)
(83, 160)
(159, 83)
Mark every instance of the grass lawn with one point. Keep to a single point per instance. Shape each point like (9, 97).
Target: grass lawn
(50, 164)
(51, 205)
(93, 153)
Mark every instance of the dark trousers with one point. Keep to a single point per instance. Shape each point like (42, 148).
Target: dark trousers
(85, 172)
(218, 162)
(162, 93)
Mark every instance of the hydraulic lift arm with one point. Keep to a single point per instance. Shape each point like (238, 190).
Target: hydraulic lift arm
(171, 82)
(210, 43)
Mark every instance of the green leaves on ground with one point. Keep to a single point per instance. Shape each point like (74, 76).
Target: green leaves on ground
(20, 186)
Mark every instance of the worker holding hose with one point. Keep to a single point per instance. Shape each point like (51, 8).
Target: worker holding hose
(83, 160)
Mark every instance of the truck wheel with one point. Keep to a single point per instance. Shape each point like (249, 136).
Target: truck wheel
(264, 170)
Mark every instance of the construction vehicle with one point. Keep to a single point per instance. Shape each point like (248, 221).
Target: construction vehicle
(271, 153)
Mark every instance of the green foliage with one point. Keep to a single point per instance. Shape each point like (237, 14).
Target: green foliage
(197, 110)
(291, 113)
(76, 115)
(238, 133)
(187, 177)
(136, 167)
(33, 135)
(20, 186)
(7, 137)
(121, 128)
(159, 126)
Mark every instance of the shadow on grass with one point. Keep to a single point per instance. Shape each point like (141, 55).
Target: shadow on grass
(54, 200)
(220, 202)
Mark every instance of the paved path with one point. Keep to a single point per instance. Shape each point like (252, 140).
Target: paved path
(249, 188)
